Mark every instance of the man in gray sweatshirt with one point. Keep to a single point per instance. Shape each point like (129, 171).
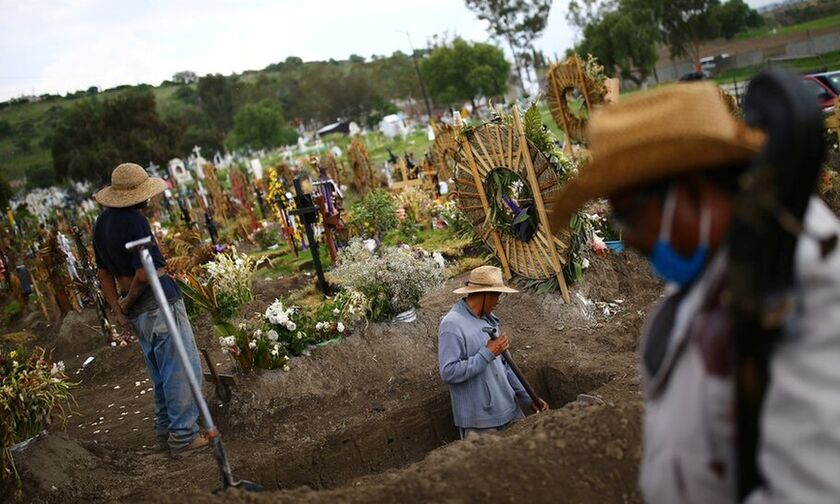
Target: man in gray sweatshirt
(483, 387)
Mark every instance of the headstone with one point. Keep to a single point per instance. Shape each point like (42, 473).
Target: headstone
(179, 172)
(256, 168)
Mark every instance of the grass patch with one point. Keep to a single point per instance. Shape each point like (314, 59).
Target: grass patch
(283, 263)
(816, 24)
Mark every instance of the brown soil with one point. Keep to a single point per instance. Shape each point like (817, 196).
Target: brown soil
(369, 419)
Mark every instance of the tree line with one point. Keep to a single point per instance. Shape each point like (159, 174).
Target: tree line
(625, 34)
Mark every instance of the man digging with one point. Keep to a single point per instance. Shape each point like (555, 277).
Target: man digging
(483, 388)
(670, 161)
(132, 302)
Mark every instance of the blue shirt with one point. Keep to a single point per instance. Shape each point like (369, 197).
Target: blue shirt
(482, 387)
(113, 229)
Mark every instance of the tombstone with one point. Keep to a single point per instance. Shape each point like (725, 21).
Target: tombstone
(153, 169)
(179, 172)
(256, 168)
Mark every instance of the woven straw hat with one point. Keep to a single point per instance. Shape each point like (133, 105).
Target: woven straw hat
(656, 135)
(130, 185)
(485, 279)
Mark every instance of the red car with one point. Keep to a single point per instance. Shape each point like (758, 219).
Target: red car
(825, 95)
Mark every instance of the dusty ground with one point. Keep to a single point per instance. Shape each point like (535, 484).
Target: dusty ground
(369, 420)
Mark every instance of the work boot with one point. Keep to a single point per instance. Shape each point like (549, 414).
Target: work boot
(198, 442)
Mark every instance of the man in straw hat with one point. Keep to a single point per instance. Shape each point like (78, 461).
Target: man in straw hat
(482, 387)
(669, 160)
(132, 301)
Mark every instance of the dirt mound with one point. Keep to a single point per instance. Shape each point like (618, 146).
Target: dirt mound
(80, 332)
(52, 461)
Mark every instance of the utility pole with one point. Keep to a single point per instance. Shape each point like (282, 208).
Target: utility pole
(419, 76)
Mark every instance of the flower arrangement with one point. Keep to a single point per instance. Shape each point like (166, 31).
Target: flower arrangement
(231, 275)
(32, 388)
(392, 279)
(454, 218)
(251, 347)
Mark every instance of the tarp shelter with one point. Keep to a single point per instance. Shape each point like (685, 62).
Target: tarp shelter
(345, 128)
(392, 125)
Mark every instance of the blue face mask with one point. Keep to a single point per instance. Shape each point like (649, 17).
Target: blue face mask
(667, 263)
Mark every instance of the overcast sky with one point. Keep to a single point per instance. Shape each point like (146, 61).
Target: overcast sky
(56, 46)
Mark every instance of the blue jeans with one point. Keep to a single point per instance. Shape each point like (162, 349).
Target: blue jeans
(176, 412)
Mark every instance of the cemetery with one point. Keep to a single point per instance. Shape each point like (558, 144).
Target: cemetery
(317, 277)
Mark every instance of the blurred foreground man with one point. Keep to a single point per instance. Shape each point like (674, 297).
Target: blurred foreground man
(125, 286)
(669, 161)
(483, 388)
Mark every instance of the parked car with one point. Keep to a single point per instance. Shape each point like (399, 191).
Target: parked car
(830, 79)
(695, 76)
(824, 94)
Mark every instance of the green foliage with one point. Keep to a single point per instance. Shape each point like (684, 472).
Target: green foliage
(5, 129)
(465, 71)
(261, 126)
(268, 236)
(32, 388)
(6, 192)
(736, 16)
(40, 176)
(216, 96)
(518, 22)
(10, 311)
(624, 41)
(95, 136)
(375, 214)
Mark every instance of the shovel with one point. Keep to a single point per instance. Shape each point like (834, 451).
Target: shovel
(142, 247)
(491, 331)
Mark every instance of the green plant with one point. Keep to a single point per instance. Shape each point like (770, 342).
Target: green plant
(10, 311)
(232, 274)
(392, 279)
(268, 236)
(32, 388)
(374, 215)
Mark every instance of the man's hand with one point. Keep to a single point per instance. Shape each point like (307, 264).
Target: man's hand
(539, 406)
(498, 346)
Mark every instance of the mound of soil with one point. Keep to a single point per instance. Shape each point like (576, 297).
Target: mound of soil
(368, 420)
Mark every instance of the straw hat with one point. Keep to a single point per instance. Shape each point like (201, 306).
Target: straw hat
(485, 279)
(130, 185)
(656, 135)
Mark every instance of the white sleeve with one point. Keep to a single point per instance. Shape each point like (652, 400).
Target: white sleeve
(799, 453)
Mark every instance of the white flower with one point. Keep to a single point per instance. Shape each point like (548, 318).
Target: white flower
(340, 327)
(319, 326)
(57, 367)
(370, 244)
(258, 333)
(285, 367)
(291, 325)
(274, 353)
(252, 345)
(438, 258)
(336, 311)
(585, 263)
(272, 335)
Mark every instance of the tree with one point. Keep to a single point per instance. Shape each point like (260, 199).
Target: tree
(624, 41)
(464, 71)
(185, 77)
(261, 126)
(40, 176)
(95, 136)
(217, 100)
(736, 16)
(519, 22)
(6, 192)
(687, 23)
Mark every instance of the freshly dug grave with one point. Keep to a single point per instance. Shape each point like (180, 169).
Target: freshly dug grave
(369, 419)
